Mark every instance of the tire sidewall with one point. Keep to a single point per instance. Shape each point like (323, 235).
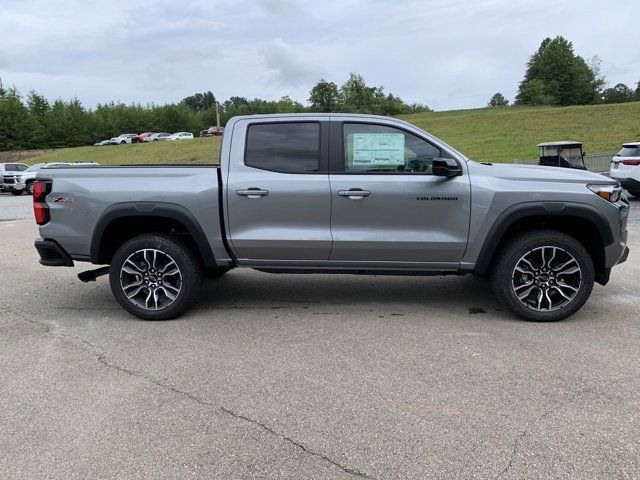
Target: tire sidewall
(184, 258)
(519, 246)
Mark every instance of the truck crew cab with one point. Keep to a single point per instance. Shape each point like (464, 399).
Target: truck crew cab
(334, 193)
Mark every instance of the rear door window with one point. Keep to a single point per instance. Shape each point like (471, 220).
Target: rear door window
(284, 147)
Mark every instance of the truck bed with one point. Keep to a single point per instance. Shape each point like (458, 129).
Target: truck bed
(85, 197)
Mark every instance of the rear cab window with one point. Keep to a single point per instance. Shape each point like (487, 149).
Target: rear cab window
(285, 147)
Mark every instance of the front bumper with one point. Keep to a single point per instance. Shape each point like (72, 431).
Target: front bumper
(52, 254)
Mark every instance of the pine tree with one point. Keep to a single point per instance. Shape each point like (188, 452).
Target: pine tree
(498, 100)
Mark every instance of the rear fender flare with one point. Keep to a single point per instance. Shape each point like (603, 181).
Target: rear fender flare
(151, 209)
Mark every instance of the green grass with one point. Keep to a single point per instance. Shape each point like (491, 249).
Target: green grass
(506, 134)
(496, 135)
(198, 150)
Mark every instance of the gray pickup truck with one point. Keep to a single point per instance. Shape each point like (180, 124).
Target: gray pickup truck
(331, 193)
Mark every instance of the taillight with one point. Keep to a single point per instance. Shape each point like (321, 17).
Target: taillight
(630, 162)
(40, 208)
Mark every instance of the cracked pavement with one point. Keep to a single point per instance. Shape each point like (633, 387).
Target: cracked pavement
(284, 376)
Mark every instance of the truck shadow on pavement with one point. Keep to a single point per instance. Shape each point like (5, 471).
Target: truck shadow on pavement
(246, 290)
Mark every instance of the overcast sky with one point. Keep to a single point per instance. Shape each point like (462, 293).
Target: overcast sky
(445, 53)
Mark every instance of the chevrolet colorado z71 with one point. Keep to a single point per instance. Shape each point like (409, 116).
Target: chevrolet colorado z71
(334, 193)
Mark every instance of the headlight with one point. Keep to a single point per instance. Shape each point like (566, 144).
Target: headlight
(611, 193)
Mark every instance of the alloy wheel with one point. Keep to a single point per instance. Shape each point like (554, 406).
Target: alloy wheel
(546, 278)
(151, 279)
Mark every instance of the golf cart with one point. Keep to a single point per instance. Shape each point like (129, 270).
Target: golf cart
(562, 154)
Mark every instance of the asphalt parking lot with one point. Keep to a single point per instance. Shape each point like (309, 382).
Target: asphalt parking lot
(305, 377)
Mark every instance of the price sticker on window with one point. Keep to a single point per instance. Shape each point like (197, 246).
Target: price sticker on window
(378, 149)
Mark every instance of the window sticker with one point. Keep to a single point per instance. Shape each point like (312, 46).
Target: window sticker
(375, 149)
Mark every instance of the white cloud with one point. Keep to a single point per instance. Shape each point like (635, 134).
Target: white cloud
(287, 65)
(446, 53)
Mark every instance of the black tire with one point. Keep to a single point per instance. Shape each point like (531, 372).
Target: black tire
(504, 276)
(635, 193)
(16, 192)
(123, 142)
(190, 276)
(29, 188)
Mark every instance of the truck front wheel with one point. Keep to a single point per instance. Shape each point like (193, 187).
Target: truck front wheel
(155, 276)
(543, 275)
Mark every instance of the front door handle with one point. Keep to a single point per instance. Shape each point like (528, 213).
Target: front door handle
(252, 192)
(354, 193)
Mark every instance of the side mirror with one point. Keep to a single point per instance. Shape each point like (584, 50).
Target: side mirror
(446, 167)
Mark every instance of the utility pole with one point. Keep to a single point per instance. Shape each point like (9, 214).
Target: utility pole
(217, 115)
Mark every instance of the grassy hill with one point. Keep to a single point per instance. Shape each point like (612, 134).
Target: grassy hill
(198, 150)
(497, 135)
(505, 134)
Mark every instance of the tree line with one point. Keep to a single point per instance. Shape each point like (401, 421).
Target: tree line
(33, 122)
(556, 76)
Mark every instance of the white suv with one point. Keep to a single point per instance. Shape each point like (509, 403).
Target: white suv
(180, 136)
(122, 139)
(625, 167)
(24, 181)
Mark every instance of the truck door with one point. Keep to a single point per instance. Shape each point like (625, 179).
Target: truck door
(388, 208)
(278, 195)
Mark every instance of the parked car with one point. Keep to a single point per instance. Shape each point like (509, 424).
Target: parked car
(141, 137)
(376, 196)
(8, 173)
(157, 137)
(104, 143)
(24, 181)
(625, 167)
(180, 136)
(212, 131)
(124, 138)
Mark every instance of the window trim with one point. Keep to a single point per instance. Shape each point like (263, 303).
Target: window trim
(337, 162)
(323, 142)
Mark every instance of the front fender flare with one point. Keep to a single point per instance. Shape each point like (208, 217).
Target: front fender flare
(538, 209)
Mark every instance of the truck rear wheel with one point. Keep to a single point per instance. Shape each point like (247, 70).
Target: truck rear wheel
(543, 275)
(155, 276)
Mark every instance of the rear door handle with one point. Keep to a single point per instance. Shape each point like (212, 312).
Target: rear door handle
(354, 193)
(252, 193)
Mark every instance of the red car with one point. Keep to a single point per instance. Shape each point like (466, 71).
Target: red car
(212, 132)
(140, 138)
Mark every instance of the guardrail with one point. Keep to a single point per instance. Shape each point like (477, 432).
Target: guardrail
(595, 162)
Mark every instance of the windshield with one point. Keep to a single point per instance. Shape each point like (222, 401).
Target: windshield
(35, 167)
(15, 167)
(572, 153)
